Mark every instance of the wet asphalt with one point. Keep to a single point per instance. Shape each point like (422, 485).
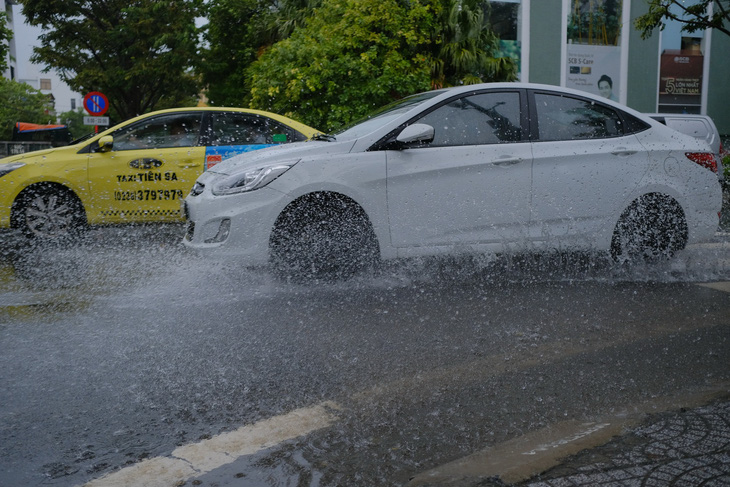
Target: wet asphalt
(126, 347)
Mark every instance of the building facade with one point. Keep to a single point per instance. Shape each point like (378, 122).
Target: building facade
(61, 97)
(10, 58)
(592, 45)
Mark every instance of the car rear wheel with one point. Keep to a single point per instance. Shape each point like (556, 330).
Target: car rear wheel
(652, 228)
(49, 213)
(324, 237)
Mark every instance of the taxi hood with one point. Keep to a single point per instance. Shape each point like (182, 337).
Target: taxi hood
(28, 155)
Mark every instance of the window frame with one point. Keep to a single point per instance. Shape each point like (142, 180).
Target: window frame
(207, 137)
(389, 142)
(628, 125)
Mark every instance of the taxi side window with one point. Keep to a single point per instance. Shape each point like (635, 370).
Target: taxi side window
(230, 128)
(176, 130)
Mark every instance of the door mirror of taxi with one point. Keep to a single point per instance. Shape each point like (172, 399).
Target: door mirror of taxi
(416, 134)
(106, 143)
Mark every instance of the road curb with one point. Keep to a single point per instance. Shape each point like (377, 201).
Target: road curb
(525, 457)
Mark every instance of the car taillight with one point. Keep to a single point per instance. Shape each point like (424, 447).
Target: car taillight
(704, 159)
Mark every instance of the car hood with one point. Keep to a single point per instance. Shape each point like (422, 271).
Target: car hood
(30, 155)
(280, 153)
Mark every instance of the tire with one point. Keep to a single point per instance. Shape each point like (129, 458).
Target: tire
(49, 213)
(321, 240)
(653, 228)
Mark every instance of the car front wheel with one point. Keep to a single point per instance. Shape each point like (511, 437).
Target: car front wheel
(324, 237)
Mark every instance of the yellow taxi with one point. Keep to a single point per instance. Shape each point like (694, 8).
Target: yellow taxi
(137, 171)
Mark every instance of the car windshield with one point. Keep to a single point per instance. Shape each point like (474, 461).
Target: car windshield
(384, 115)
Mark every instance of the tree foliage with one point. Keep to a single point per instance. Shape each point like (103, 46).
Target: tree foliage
(19, 102)
(695, 17)
(464, 46)
(74, 120)
(5, 35)
(137, 52)
(237, 33)
(349, 57)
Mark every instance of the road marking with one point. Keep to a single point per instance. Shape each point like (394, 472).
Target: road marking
(586, 430)
(719, 286)
(199, 458)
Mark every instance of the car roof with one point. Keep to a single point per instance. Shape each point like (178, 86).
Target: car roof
(297, 125)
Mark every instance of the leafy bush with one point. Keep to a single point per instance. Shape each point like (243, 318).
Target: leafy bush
(20, 102)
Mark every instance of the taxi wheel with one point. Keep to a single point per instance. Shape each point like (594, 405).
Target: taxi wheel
(50, 213)
(323, 241)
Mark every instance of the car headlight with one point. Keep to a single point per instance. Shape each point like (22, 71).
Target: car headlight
(251, 179)
(6, 168)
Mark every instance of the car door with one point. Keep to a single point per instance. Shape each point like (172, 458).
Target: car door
(587, 162)
(471, 184)
(152, 165)
(229, 133)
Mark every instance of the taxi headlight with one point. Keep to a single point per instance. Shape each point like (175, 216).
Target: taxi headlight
(251, 179)
(6, 168)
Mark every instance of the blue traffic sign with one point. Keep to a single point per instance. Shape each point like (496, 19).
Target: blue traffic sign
(96, 103)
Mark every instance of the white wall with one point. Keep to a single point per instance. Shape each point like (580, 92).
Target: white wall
(26, 37)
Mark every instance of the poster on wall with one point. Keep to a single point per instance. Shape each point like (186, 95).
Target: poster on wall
(595, 69)
(680, 77)
(593, 56)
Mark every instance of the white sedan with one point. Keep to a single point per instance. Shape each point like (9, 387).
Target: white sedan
(481, 168)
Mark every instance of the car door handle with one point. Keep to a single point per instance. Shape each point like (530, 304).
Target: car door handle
(507, 161)
(189, 164)
(623, 151)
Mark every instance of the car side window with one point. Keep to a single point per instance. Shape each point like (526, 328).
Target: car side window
(487, 118)
(231, 128)
(565, 118)
(174, 130)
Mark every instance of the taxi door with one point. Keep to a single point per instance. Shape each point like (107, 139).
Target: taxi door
(150, 168)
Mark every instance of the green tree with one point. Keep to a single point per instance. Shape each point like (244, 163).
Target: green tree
(5, 36)
(235, 32)
(464, 47)
(238, 31)
(19, 102)
(695, 17)
(137, 52)
(74, 120)
(349, 57)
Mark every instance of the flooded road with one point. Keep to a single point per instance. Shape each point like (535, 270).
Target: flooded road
(128, 348)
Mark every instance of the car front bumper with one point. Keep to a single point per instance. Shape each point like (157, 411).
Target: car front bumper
(236, 226)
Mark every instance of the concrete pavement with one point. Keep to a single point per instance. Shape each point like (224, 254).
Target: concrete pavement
(686, 447)
(689, 446)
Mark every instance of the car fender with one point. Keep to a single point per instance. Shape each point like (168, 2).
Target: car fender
(336, 173)
(33, 174)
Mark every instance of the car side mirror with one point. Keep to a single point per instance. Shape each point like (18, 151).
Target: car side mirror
(416, 134)
(106, 143)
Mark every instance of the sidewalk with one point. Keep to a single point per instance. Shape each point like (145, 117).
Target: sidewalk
(679, 448)
(688, 447)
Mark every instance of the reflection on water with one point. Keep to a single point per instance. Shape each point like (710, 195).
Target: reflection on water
(52, 277)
